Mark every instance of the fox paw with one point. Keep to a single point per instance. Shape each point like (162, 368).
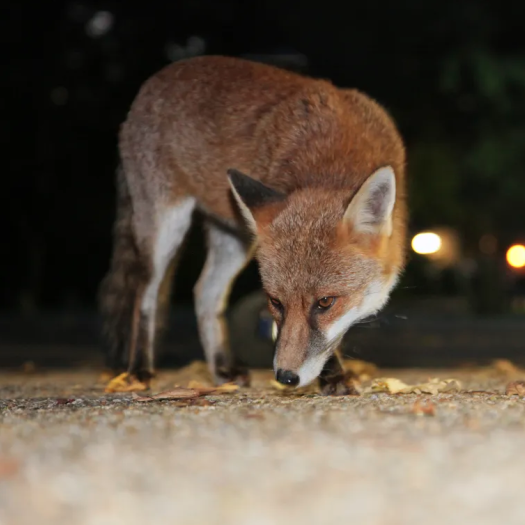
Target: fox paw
(338, 386)
(237, 375)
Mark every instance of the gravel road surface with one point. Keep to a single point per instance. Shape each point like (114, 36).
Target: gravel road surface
(72, 454)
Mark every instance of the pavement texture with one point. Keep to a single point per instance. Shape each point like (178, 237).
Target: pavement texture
(72, 454)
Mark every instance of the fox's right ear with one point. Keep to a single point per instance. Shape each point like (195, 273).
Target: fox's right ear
(252, 195)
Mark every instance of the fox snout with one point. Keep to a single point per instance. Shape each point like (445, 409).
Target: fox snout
(303, 374)
(300, 355)
(285, 377)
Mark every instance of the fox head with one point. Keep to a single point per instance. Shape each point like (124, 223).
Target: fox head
(326, 259)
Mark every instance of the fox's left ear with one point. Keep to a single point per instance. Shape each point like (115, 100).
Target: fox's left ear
(370, 211)
(252, 195)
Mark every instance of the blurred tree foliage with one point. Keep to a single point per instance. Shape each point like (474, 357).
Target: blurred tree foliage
(452, 74)
(482, 162)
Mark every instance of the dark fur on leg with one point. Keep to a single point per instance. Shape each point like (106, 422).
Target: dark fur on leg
(235, 372)
(334, 381)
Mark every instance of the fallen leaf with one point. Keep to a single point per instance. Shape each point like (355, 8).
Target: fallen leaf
(501, 368)
(423, 409)
(435, 386)
(362, 369)
(505, 367)
(198, 369)
(176, 393)
(396, 386)
(181, 392)
(388, 384)
(283, 388)
(125, 383)
(226, 387)
(516, 388)
(279, 386)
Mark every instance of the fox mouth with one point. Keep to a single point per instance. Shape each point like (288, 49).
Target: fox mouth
(312, 367)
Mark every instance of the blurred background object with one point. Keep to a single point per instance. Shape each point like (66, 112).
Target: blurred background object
(451, 73)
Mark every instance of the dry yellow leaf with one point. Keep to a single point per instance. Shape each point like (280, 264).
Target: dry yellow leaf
(197, 369)
(396, 386)
(227, 387)
(505, 367)
(222, 389)
(362, 369)
(280, 386)
(387, 384)
(125, 383)
(293, 390)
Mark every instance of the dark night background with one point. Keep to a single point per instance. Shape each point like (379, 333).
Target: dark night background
(452, 73)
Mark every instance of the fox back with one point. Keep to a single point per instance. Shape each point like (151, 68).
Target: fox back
(307, 176)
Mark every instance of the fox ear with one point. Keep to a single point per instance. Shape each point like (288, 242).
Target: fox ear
(370, 211)
(251, 195)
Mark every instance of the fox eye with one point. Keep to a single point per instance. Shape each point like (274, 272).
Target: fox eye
(276, 302)
(325, 302)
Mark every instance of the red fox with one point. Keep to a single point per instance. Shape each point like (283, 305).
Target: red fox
(307, 177)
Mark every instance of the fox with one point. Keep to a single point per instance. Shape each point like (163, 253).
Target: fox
(306, 177)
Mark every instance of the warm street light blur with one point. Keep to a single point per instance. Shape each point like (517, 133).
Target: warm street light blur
(441, 245)
(516, 256)
(425, 243)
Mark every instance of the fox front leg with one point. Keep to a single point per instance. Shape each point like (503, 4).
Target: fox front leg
(334, 381)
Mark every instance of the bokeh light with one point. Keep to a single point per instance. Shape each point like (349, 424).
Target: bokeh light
(426, 243)
(516, 256)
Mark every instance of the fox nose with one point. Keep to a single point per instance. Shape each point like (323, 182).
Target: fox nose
(287, 377)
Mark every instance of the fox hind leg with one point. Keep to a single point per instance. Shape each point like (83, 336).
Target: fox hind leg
(226, 258)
